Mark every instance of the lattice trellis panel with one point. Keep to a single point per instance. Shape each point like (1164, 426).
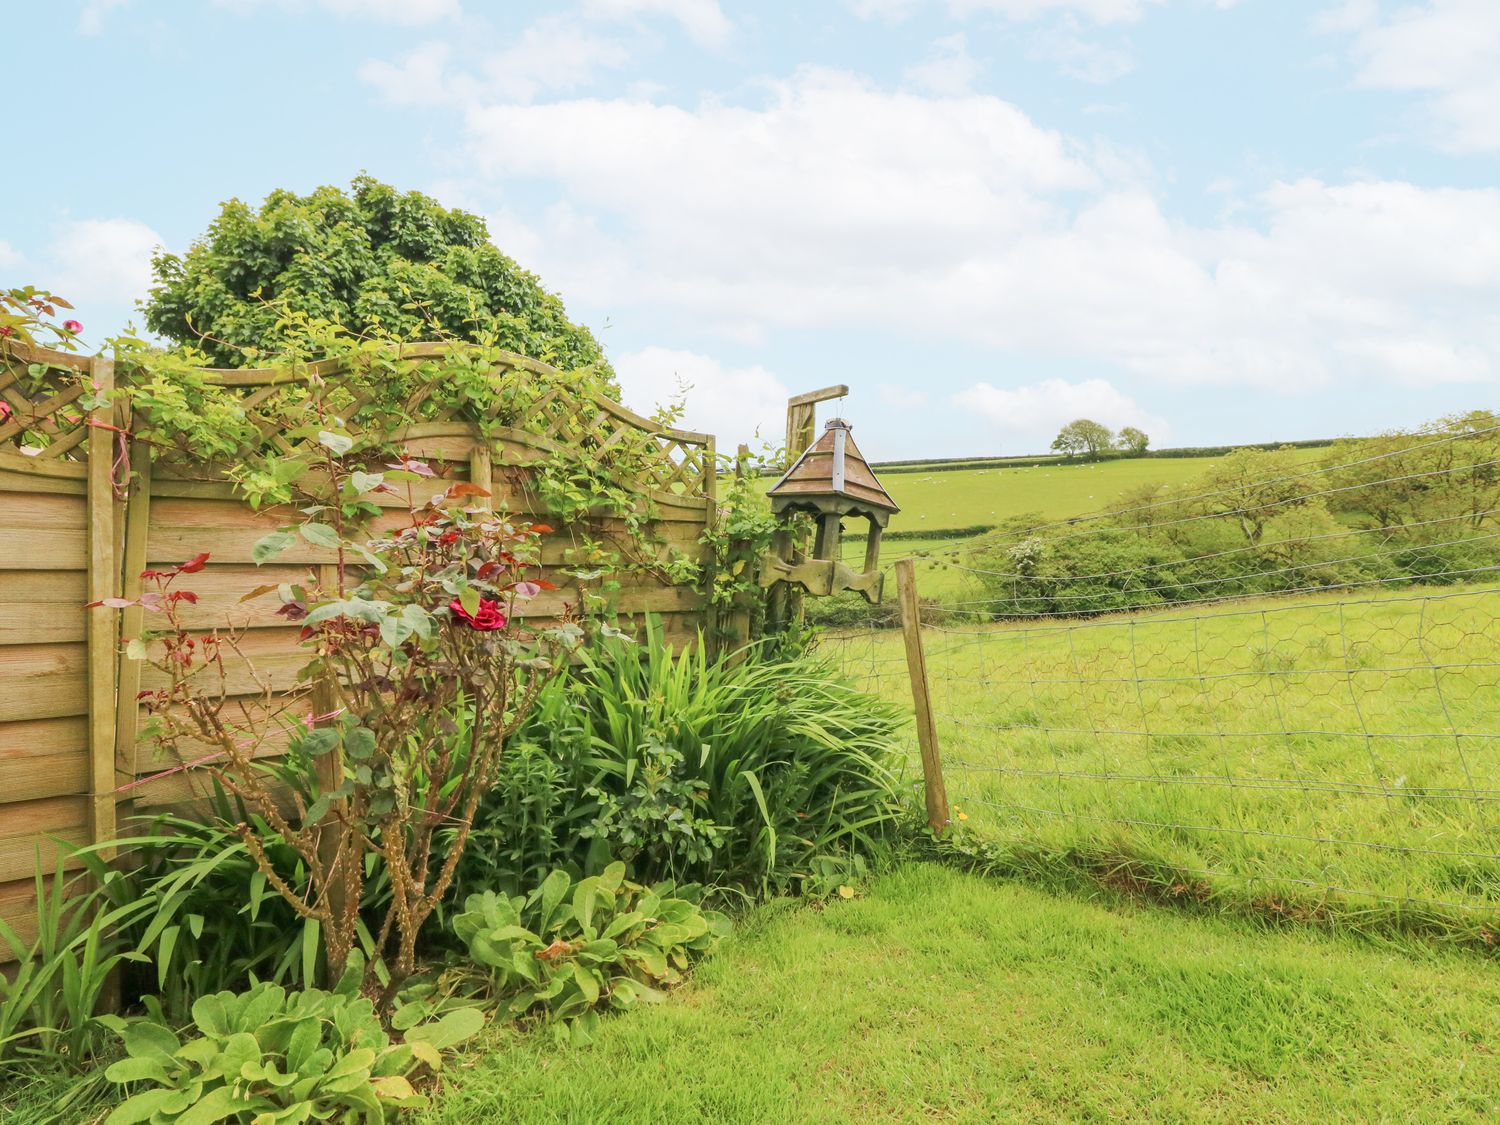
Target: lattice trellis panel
(675, 462)
(41, 415)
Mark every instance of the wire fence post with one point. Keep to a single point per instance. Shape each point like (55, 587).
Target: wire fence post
(916, 667)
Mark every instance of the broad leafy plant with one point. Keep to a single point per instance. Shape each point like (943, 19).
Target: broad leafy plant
(272, 1056)
(571, 949)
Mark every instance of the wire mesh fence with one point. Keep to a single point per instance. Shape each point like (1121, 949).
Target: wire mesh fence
(1306, 720)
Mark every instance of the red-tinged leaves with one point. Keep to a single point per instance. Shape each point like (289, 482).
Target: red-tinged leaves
(466, 488)
(540, 529)
(526, 589)
(260, 592)
(114, 603)
(183, 596)
(194, 564)
(544, 584)
(292, 611)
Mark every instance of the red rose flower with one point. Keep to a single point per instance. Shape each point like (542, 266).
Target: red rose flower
(72, 327)
(489, 618)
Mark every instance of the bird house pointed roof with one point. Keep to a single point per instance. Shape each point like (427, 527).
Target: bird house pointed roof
(833, 468)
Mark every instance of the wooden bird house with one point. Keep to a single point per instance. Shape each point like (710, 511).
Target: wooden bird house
(830, 481)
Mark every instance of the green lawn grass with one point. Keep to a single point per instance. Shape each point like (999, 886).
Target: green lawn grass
(1282, 752)
(942, 996)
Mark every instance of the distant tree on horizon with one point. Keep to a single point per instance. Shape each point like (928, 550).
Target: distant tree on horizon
(1132, 440)
(1083, 438)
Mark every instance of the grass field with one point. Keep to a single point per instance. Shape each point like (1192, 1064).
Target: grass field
(937, 501)
(941, 996)
(940, 501)
(1256, 754)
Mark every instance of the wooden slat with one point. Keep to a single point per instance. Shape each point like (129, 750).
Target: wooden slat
(25, 738)
(42, 606)
(43, 758)
(43, 681)
(29, 828)
(19, 473)
(59, 775)
(61, 548)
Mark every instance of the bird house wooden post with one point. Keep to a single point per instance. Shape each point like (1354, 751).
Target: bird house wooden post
(830, 481)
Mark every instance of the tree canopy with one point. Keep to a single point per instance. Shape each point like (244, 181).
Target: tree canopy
(374, 260)
(1083, 437)
(1132, 440)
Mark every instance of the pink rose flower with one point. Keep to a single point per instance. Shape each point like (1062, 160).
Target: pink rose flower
(72, 326)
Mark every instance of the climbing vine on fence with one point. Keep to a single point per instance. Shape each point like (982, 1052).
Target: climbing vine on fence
(370, 389)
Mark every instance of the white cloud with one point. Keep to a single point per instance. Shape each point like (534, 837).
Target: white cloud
(838, 204)
(1079, 56)
(947, 68)
(103, 261)
(554, 53)
(1029, 417)
(91, 18)
(10, 257)
(1448, 50)
(732, 403)
(703, 20)
(410, 13)
(420, 77)
(1099, 11)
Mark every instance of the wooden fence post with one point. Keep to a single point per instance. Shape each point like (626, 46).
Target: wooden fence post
(103, 623)
(916, 666)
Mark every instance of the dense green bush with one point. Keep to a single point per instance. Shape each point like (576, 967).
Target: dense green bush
(734, 772)
(569, 949)
(371, 259)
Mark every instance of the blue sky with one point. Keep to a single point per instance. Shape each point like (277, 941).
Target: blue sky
(1219, 220)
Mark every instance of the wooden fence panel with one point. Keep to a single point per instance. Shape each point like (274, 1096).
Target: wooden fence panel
(46, 766)
(71, 761)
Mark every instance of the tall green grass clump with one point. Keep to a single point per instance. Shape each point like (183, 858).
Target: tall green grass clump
(735, 772)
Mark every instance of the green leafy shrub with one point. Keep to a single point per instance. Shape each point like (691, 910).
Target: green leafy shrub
(267, 1055)
(735, 772)
(212, 920)
(371, 258)
(569, 949)
(51, 1001)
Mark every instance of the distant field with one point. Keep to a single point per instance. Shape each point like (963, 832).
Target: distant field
(944, 499)
(941, 500)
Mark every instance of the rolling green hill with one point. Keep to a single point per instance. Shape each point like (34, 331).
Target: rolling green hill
(943, 500)
(939, 498)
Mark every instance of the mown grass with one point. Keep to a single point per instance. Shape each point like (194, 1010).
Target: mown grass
(942, 996)
(1332, 761)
